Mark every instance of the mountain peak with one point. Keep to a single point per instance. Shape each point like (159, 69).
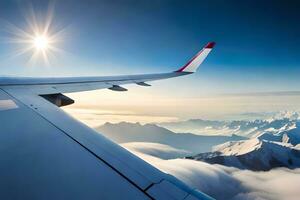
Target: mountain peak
(253, 154)
(238, 147)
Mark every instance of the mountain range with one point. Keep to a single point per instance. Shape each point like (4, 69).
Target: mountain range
(125, 132)
(262, 144)
(277, 146)
(237, 127)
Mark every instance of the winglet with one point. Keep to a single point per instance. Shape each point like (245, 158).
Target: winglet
(196, 61)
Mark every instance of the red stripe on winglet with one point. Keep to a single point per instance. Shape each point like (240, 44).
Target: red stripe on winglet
(187, 64)
(210, 45)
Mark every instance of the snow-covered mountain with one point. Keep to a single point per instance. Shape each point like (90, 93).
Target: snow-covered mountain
(274, 143)
(253, 154)
(289, 133)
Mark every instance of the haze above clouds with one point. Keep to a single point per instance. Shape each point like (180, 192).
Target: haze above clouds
(155, 104)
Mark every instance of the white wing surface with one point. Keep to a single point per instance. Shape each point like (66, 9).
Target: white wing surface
(47, 154)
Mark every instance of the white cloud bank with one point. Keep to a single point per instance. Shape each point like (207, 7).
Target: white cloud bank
(155, 149)
(276, 184)
(225, 182)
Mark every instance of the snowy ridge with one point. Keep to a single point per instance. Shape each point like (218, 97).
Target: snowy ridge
(247, 128)
(277, 144)
(253, 154)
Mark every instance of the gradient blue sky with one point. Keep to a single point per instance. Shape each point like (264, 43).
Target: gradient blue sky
(257, 42)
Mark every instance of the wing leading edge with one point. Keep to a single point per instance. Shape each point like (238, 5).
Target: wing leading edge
(77, 84)
(48, 154)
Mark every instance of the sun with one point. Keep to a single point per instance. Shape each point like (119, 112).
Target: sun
(41, 39)
(41, 42)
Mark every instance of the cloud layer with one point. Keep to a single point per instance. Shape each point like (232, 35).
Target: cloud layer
(155, 149)
(225, 182)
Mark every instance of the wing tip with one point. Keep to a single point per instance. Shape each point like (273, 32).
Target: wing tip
(192, 67)
(210, 45)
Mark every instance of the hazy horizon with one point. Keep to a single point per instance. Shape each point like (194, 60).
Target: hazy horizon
(145, 106)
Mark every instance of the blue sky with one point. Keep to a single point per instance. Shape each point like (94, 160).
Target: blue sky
(257, 42)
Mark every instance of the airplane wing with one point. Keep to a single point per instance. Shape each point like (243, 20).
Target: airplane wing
(47, 154)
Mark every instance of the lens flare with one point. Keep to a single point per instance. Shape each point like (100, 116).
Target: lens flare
(39, 39)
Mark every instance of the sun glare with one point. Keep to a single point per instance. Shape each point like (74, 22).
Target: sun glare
(41, 42)
(38, 39)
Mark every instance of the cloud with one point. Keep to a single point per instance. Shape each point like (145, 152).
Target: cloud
(155, 149)
(223, 182)
(275, 184)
